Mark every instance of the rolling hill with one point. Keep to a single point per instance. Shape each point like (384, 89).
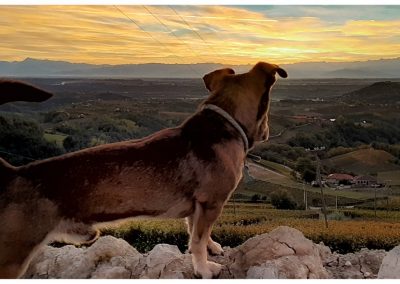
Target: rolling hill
(363, 161)
(268, 177)
(377, 93)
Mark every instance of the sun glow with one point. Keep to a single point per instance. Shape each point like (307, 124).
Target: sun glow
(195, 34)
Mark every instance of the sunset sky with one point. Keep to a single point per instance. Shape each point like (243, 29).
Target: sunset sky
(198, 34)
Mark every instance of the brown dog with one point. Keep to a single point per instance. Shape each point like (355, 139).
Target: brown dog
(188, 171)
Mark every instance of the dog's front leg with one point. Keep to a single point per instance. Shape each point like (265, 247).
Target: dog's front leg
(213, 247)
(202, 221)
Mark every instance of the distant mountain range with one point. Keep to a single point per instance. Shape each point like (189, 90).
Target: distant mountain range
(384, 68)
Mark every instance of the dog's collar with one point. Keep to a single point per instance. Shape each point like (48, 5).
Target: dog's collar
(232, 121)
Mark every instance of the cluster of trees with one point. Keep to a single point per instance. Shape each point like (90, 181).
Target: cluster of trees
(97, 131)
(258, 197)
(347, 133)
(279, 199)
(306, 168)
(283, 200)
(280, 153)
(22, 141)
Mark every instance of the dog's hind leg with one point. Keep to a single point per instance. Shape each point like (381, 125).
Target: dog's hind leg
(76, 233)
(23, 229)
(203, 218)
(213, 247)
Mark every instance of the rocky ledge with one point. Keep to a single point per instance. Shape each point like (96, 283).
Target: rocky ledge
(283, 253)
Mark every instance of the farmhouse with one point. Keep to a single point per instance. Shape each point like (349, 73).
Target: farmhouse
(365, 181)
(336, 179)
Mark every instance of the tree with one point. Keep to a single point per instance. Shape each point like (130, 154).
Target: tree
(309, 175)
(282, 200)
(76, 142)
(255, 198)
(23, 140)
(306, 168)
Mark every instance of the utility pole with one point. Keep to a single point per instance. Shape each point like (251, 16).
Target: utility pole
(375, 201)
(322, 190)
(319, 182)
(336, 203)
(387, 187)
(305, 197)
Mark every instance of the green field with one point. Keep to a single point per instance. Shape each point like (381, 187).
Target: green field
(277, 167)
(55, 138)
(363, 161)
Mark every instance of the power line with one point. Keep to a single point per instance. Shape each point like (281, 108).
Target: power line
(155, 39)
(195, 32)
(143, 30)
(216, 18)
(173, 33)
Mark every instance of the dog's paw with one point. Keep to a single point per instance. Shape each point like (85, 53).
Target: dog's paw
(209, 270)
(214, 248)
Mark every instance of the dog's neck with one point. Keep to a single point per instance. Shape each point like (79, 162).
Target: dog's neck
(232, 121)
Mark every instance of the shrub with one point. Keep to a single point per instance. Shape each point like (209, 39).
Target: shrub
(255, 198)
(282, 200)
(306, 167)
(23, 141)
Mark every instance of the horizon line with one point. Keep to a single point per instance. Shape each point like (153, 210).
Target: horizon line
(198, 63)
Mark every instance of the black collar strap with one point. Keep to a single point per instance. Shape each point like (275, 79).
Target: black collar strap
(232, 121)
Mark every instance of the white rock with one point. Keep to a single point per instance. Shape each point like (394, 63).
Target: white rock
(286, 249)
(165, 261)
(390, 267)
(358, 265)
(282, 254)
(108, 257)
(264, 271)
(110, 272)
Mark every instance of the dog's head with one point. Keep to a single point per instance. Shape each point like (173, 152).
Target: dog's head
(12, 91)
(245, 96)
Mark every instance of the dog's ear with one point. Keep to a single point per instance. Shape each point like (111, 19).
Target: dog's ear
(12, 91)
(270, 69)
(213, 80)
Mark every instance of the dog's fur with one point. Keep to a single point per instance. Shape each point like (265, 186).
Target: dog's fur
(185, 172)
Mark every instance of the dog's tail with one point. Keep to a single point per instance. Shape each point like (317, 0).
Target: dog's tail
(7, 173)
(12, 91)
